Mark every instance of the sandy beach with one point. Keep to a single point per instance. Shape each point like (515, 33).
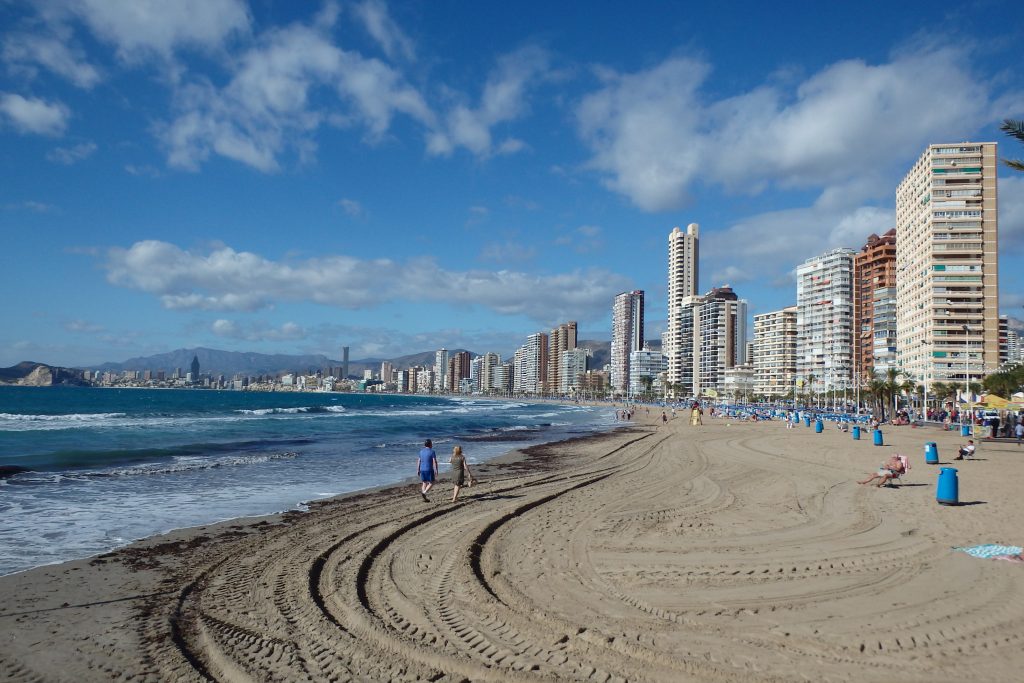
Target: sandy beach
(727, 552)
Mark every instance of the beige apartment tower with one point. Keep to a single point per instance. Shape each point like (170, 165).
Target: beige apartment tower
(683, 263)
(775, 352)
(947, 268)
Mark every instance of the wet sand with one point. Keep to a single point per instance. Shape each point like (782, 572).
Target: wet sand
(745, 552)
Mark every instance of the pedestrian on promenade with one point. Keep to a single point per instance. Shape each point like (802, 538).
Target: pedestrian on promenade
(1019, 430)
(426, 468)
(460, 470)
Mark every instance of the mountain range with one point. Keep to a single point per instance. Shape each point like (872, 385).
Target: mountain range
(249, 363)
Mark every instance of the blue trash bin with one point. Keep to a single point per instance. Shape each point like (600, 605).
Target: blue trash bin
(965, 430)
(819, 427)
(856, 432)
(948, 490)
(878, 437)
(931, 453)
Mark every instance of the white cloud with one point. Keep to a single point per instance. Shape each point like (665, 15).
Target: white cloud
(504, 98)
(224, 279)
(771, 243)
(71, 155)
(351, 207)
(257, 331)
(654, 134)
(23, 52)
(31, 115)
(373, 14)
(505, 252)
(266, 106)
(142, 28)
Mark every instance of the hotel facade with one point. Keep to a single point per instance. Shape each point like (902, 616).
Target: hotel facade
(683, 271)
(824, 320)
(774, 356)
(874, 307)
(627, 335)
(947, 292)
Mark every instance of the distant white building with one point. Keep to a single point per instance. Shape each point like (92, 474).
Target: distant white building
(572, 366)
(646, 363)
(824, 319)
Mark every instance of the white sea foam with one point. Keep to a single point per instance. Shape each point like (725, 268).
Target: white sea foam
(192, 463)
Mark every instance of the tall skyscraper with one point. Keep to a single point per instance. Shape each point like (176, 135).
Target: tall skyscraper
(683, 271)
(440, 369)
(947, 291)
(572, 368)
(627, 335)
(561, 339)
(344, 362)
(719, 338)
(488, 364)
(874, 306)
(458, 370)
(775, 352)
(195, 368)
(531, 364)
(824, 320)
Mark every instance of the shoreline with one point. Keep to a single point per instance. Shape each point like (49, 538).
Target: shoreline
(484, 445)
(730, 552)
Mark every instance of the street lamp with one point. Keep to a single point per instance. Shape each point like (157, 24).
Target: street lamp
(967, 371)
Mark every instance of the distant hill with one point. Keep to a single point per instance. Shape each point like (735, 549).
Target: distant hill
(230, 363)
(601, 351)
(29, 373)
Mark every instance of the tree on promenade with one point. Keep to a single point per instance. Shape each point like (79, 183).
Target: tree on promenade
(1015, 129)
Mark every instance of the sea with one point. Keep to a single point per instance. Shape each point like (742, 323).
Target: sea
(104, 467)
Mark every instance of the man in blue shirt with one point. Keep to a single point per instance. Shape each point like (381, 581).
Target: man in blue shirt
(426, 468)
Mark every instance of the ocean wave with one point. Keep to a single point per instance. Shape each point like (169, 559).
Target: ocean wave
(191, 465)
(292, 411)
(72, 417)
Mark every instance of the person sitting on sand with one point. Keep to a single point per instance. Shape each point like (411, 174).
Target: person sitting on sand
(460, 470)
(891, 469)
(426, 468)
(966, 451)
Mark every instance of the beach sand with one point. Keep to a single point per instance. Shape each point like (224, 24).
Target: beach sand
(728, 552)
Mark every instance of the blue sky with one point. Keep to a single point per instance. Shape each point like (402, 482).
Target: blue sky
(294, 177)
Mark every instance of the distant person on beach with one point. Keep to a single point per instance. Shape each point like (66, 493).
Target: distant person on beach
(426, 468)
(966, 451)
(460, 470)
(891, 469)
(664, 417)
(1019, 431)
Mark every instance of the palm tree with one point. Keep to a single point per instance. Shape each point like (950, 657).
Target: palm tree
(1015, 129)
(648, 382)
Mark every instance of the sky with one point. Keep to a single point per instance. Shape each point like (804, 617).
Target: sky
(294, 177)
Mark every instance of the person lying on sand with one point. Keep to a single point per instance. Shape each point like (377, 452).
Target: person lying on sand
(889, 470)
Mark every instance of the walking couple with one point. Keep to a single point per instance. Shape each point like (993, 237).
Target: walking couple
(426, 468)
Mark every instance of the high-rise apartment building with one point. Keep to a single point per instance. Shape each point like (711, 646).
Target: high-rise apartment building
(874, 306)
(489, 361)
(572, 367)
(458, 370)
(627, 335)
(561, 339)
(774, 356)
(1004, 333)
(947, 290)
(719, 338)
(644, 363)
(683, 271)
(1013, 348)
(824, 320)
(440, 369)
(531, 365)
(687, 316)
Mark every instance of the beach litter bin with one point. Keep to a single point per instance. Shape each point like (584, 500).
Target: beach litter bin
(877, 436)
(948, 490)
(819, 427)
(856, 432)
(965, 430)
(931, 453)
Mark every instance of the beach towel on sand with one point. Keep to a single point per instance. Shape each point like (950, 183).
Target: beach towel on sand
(990, 550)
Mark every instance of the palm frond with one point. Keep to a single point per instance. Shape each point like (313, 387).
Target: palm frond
(1015, 164)
(1014, 128)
